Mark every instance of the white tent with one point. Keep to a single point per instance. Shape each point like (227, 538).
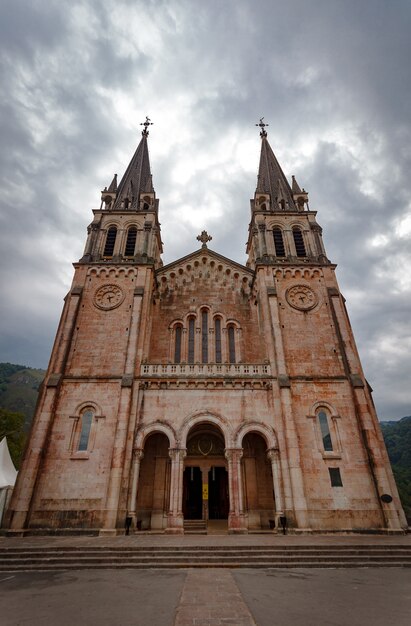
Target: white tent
(8, 472)
(8, 475)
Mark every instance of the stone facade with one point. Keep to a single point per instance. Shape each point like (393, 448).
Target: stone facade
(205, 389)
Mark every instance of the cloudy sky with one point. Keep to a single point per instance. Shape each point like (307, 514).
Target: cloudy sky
(332, 79)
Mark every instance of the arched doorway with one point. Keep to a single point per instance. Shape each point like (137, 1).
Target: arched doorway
(153, 497)
(259, 502)
(205, 481)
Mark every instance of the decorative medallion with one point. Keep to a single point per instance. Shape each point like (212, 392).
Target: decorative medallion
(108, 297)
(301, 297)
(205, 445)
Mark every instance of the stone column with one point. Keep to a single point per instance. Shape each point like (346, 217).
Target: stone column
(273, 456)
(236, 521)
(175, 515)
(261, 233)
(138, 455)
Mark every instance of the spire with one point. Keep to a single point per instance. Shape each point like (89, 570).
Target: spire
(300, 196)
(113, 185)
(271, 179)
(137, 178)
(295, 186)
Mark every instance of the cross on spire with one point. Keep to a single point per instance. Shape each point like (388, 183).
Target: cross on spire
(146, 124)
(262, 125)
(204, 237)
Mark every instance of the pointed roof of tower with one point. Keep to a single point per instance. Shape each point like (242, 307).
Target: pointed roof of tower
(271, 178)
(113, 185)
(295, 186)
(137, 177)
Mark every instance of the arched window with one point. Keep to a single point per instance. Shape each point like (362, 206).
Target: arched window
(204, 336)
(177, 343)
(191, 335)
(131, 241)
(217, 335)
(110, 241)
(325, 431)
(299, 242)
(86, 420)
(231, 344)
(278, 241)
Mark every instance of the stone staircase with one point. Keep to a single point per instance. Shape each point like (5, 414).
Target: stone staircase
(14, 559)
(195, 527)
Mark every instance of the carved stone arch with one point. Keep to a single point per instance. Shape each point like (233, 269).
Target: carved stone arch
(155, 427)
(271, 224)
(219, 314)
(203, 307)
(233, 322)
(177, 322)
(188, 315)
(205, 417)
(296, 223)
(321, 404)
(268, 434)
(89, 404)
(132, 221)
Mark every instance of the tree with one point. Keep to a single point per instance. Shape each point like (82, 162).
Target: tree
(12, 427)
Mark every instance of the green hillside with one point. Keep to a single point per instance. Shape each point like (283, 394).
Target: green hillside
(19, 387)
(397, 436)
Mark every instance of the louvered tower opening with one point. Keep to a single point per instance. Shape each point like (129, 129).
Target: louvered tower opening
(131, 242)
(278, 242)
(299, 242)
(110, 241)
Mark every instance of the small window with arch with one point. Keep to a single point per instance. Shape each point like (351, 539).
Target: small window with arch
(231, 343)
(110, 241)
(325, 430)
(204, 336)
(86, 422)
(178, 333)
(191, 339)
(217, 335)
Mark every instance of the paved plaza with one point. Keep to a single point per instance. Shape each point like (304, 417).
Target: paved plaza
(206, 597)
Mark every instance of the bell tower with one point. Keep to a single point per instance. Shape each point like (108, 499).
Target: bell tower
(284, 210)
(89, 396)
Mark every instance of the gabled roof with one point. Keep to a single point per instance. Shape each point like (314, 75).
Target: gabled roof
(137, 178)
(271, 178)
(201, 253)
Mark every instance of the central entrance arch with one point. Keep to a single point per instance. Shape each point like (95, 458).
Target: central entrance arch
(205, 482)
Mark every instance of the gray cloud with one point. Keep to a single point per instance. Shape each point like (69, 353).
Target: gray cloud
(331, 78)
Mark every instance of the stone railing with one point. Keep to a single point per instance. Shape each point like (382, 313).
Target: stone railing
(214, 370)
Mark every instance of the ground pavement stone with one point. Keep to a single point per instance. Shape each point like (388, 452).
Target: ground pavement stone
(211, 597)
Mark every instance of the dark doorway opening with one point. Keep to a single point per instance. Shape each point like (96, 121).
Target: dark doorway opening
(192, 493)
(218, 504)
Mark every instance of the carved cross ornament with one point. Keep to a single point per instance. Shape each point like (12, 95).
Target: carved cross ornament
(146, 124)
(204, 237)
(262, 125)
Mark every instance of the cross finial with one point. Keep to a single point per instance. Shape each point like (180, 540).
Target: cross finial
(146, 124)
(262, 125)
(204, 237)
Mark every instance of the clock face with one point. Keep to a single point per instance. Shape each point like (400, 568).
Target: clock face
(301, 297)
(108, 297)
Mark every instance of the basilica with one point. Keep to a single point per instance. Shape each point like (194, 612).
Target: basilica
(204, 390)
